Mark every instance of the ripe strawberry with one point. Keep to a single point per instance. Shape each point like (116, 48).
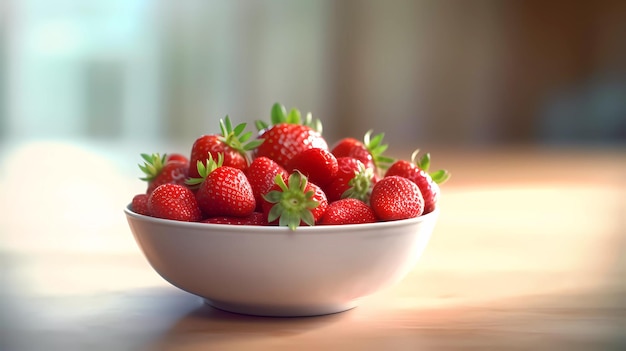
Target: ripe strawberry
(176, 157)
(159, 171)
(417, 171)
(256, 218)
(348, 211)
(396, 198)
(140, 204)
(231, 143)
(318, 165)
(352, 180)
(174, 201)
(223, 190)
(370, 151)
(261, 174)
(296, 203)
(287, 136)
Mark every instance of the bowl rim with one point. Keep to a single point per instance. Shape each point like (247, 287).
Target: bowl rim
(317, 229)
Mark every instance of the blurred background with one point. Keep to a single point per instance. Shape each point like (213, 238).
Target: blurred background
(85, 86)
(457, 73)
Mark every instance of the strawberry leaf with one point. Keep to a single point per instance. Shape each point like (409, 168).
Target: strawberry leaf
(279, 114)
(440, 176)
(360, 185)
(294, 117)
(205, 168)
(152, 166)
(236, 140)
(292, 204)
(261, 125)
(376, 148)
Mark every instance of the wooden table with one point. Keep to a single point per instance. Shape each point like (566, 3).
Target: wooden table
(528, 254)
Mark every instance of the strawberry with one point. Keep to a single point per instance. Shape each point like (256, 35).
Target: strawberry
(140, 204)
(396, 197)
(288, 136)
(261, 174)
(370, 151)
(174, 201)
(223, 190)
(296, 203)
(231, 143)
(417, 171)
(352, 180)
(159, 171)
(318, 165)
(256, 218)
(176, 157)
(348, 211)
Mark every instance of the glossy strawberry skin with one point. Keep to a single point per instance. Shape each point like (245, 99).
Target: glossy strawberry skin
(261, 174)
(395, 198)
(317, 164)
(140, 204)
(174, 172)
(350, 147)
(348, 211)
(285, 140)
(226, 192)
(177, 157)
(347, 168)
(214, 145)
(256, 218)
(174, 201)
(428, 187)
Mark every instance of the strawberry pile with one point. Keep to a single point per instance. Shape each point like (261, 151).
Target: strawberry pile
(286, 175)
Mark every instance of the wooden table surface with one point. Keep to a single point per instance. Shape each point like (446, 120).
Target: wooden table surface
(529, 254)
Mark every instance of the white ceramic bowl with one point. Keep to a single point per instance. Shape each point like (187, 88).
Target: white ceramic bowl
(272, 271)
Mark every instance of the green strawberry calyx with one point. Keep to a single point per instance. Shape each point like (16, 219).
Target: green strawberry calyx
(423, 163)
(236, 138)
(152, 166)
(205, 169)
(279, 115)
(360, 186)
(292, 203)
(376, 148)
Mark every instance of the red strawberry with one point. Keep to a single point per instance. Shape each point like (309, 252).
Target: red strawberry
(348, 211)
(318, 165)
(223, 190)
(353, 180)
(370, 151)
(261, 174)
(176, 157)
(159, 171)
(417, 172)
(231, 143)
(140, 204)
(174, 201)
(287, 137)
(296, 203)
(396, 198)
(256, 218)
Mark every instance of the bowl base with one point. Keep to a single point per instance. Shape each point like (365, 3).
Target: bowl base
(281, 311)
